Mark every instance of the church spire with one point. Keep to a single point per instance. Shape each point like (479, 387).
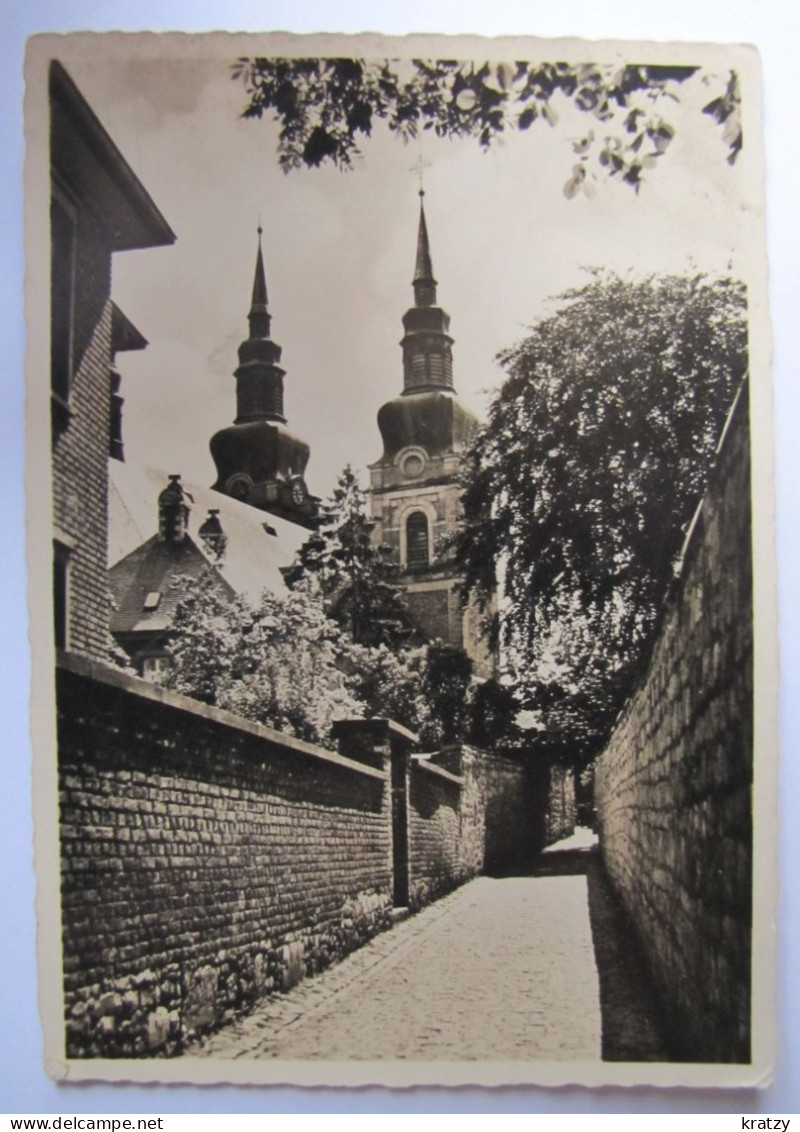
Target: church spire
(427, 353)
(259, 461)
(259, 377)
(424, 282)
(259, 314)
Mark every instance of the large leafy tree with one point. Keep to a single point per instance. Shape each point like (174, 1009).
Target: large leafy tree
(327, 107)
(357, 580)
(582, 484)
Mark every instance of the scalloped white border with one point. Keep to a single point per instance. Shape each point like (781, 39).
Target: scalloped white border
(180, 45)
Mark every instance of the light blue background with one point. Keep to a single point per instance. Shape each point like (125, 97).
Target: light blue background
(775, 28)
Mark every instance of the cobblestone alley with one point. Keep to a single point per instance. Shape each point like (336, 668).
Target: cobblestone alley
(516, 968)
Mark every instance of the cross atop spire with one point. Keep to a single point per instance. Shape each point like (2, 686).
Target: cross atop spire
(259, 314)
(424, 282)
(419, 165)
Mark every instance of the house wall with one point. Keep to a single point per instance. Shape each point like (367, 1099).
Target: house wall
(80, 450)
(673, 788)
(98, 206)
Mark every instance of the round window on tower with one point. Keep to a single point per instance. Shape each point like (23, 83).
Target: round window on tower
(412, 464)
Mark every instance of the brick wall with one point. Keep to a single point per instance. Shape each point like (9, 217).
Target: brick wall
(514, 813)
(206, 861)
(673, 786)
(474, 811)
(431, 612)
(447, 823)
(560, 814)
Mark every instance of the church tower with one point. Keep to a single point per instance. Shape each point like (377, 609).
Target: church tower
(414, 485)
(259, 461)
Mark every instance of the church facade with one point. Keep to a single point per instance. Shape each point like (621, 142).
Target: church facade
(414, 486)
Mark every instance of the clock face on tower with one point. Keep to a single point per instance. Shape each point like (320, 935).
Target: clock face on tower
(240, 487)
(413, 465)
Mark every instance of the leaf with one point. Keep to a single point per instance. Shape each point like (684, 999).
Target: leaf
(550, 115)
(732, 129)
(574, 183)
(505, 75)
(527, 117)
(630, 123)
(320, 145)
(716, 108)
(582, 145)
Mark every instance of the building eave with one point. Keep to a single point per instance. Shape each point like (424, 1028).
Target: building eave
(124, 335)
(90, 164)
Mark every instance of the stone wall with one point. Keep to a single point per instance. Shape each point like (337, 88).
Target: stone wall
(447, 818)
(560, 814)
(478, 811)
(530, 804)
(673, 787)
(515, 806)
(206, 861)
(474, 811)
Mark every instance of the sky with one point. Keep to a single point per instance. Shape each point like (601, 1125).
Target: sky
(339, 249)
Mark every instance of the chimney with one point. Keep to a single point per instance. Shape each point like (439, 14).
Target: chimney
(173, 512)
(213, 535)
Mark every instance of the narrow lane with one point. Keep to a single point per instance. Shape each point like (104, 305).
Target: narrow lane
(502, 968)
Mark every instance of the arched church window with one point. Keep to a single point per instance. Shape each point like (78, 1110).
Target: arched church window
(417, 542)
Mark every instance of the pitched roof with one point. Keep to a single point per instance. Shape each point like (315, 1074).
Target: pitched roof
(148, 584)
(423, 268)
(258, 547)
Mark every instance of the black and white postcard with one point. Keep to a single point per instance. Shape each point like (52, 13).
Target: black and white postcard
(401, 549)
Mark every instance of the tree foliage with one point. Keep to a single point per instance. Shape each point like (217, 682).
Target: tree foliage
(448, 675)
(493, 713)
(278, 662)
(391, 684)
(285, 663)
(356, 579)
(596, 453)
(327, 107)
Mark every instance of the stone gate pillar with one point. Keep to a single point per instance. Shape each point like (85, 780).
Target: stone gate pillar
(386, 745)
